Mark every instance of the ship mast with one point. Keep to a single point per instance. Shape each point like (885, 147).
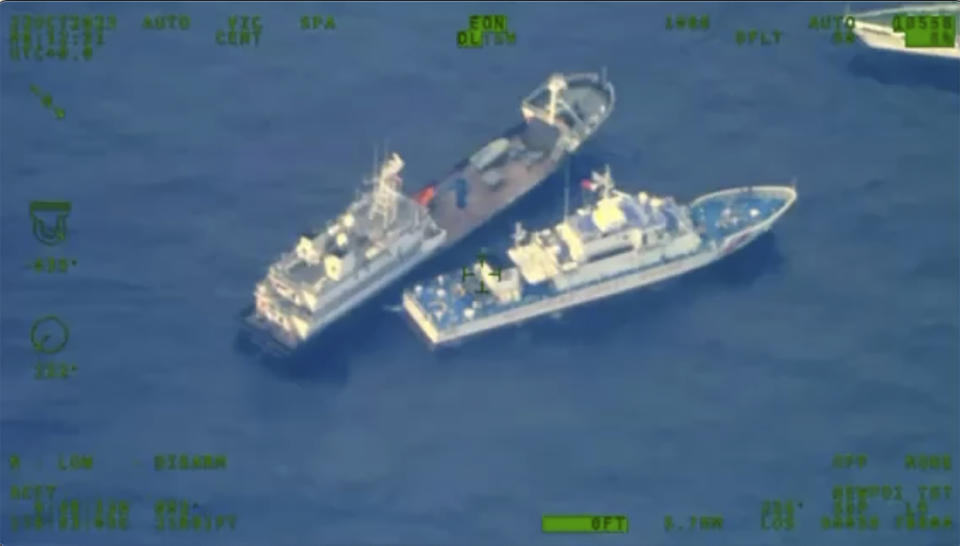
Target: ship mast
(556, 84)
(519, 234)
(604, 181)
(387, 185)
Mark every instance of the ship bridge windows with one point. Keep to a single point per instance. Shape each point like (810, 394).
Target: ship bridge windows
(608, 252)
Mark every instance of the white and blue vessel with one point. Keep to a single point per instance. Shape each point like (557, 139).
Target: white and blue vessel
(618, 243)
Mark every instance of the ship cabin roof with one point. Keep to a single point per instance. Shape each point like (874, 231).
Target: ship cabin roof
(357, 234)
(305, 273)
(610, 216)
(621, 212)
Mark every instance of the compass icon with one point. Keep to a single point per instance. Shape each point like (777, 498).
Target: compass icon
(49, 335)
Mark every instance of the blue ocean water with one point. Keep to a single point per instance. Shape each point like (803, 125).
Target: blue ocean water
(190, 166)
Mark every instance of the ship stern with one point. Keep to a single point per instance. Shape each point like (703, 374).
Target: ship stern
(420, 318)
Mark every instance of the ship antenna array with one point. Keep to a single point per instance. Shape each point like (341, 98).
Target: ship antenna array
(605, 181)
(387, 184)
(518, 234)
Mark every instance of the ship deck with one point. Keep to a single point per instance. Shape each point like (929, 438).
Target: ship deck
(530, 167)
(709, 216)
(534, 152)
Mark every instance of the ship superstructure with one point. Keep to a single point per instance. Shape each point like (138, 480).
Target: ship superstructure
(330, 271)
(559, 116)
(886, 28)
(618, 243)
(385, 234)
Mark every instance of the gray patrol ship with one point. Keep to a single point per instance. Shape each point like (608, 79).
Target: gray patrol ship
(385, 234)
(379, 238)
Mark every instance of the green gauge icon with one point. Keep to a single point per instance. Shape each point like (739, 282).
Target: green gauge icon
(49, 335)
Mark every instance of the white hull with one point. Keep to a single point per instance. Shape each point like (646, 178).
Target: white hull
(426, 251)
(879, 36)
(590, 293)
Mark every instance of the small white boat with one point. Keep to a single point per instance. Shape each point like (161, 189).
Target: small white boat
(886, 28)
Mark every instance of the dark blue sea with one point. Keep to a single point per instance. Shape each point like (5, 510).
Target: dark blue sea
(190, 166)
